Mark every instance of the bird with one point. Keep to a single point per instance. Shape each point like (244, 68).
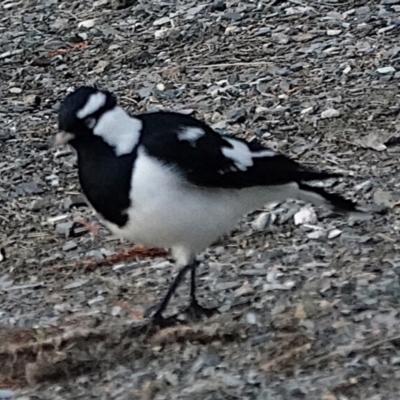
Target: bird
(168, 180)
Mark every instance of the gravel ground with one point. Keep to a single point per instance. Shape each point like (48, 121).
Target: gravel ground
(308, 308)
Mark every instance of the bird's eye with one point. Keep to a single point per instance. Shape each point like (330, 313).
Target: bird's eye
(90, 122)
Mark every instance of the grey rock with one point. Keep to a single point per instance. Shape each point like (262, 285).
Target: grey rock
(260, 339)
(51, 260)
(40, 204)
(145, 92)
(386, 70)
(237, 115)
(28, 187)
(261, 221)
(70, 245)
(330, 113)
(232, 16)
(208, 359)
(161, 21)
(226, 285)
(77, 200)
(218, 5)
(64, 228)
(96, 254)
(76, 284)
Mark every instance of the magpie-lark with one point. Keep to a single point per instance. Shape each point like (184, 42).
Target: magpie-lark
(168, 180)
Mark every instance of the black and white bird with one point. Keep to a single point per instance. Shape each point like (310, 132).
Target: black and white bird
(168, 180)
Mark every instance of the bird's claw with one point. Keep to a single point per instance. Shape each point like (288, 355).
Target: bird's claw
(196, 311)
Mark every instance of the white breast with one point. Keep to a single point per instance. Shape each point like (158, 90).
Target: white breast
(168, 212)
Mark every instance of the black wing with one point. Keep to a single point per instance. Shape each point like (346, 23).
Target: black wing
(211, 160)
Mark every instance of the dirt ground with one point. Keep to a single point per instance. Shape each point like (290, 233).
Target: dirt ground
(307, 310)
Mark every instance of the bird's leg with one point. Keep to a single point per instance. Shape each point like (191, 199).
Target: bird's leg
(92, 227)
(195, 309)
(157, 318)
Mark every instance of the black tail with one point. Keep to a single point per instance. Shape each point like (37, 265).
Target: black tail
(332, 200)
(310, 175)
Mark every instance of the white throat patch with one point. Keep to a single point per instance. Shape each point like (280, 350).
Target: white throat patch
(119, 130)
(95, 102)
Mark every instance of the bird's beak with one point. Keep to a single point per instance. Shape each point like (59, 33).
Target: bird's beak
(61, 138)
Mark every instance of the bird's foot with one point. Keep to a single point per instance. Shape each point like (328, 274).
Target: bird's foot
(154, 324)
(158, 321)
(91, 226)
(195, 311)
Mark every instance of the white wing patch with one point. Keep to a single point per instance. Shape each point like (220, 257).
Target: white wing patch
(119, 130)
(242, 156)
(95, 102)
(191, 134)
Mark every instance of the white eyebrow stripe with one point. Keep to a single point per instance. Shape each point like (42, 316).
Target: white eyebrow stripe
(95, 102)
(191, 134)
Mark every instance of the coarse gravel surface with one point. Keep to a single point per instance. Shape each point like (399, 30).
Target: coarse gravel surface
(309, 301)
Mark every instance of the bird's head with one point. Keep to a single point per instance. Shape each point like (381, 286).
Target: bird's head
(80, 112)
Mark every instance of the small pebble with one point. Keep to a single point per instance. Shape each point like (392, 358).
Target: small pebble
(64, 228)
(209, 359)
(251, 318)
(161, 21)
(334, 233)
(219, 250)
(237, 115)
(395, 360)
(71, 245)
(15, 90)
(76, 284)
(218, 5)
(386, 70)
(89, 23)
(333, 32)
(261, 221)
(232, 15)
(95, 300)
(305, 216)
(115, 311)
(259, 339)
(317, 235)
(96, 254)
(330, 113)
(250, 253)
(226, 285)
